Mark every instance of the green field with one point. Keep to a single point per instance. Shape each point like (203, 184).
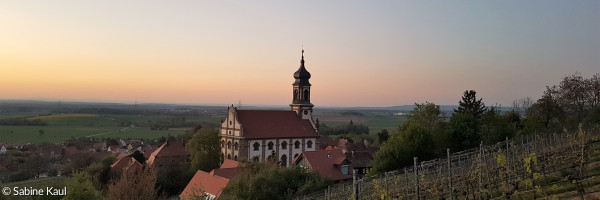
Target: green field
(64, 126)
(141, 133)
(376, 123)
(54, 134)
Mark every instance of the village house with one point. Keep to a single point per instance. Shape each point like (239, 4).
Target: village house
(334, 163)
(125, 164)
(273, 134)
(170, 153)
(210, 185)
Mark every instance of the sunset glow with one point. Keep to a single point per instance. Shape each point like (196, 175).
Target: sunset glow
(359, 53)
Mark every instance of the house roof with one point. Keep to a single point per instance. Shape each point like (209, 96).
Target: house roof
(324, 162)
(359, 159)
(260, 124)
(228, 169)
(227, 173)
(134, 166)
(169, 148)
(229, 164)
(206, 182)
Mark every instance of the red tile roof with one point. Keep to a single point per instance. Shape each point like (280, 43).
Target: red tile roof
(258, 124)
(227, 170)
(325, 162)
(206, 182)
(229, 164)
(227, 173)
(168, 149)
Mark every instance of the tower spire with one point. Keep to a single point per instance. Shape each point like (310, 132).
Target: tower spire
(302, 60)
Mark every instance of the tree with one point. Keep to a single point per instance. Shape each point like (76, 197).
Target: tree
(470, 105)
(464, 131)
(383, 135)
(80, 187)
(138, 185)
(205, 150)
(99, 172)
(544, 113)
(391, 155)
(573, 95)
(414, 138)
(426, 115)
(495, 127)
(266, 180)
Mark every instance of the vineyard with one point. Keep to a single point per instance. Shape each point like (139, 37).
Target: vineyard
(549, 166)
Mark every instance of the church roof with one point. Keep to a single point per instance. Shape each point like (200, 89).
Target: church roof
(263, 124)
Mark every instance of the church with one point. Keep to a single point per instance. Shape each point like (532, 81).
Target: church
(272, 134)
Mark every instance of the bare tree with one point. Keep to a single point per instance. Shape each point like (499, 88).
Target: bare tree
(139, 184)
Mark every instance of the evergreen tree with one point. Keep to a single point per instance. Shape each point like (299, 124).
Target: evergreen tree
(470, 105)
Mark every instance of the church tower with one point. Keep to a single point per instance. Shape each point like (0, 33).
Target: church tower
(301, 91)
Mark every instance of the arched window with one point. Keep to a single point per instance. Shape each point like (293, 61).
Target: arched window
(284, 145)
(235, 146)
(295, 94)
(229, 156)
(296, 145)
(222, 143)
(235, 157)
(284, 160)
(270, 145)
(309, 144)
(306, 95)
(229, 145)
(256, 146)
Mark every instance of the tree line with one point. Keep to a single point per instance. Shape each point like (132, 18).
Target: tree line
(426, 134)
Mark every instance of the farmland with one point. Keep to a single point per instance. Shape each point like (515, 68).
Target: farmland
(64, 126)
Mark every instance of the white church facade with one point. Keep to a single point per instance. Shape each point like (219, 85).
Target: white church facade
(273, 134)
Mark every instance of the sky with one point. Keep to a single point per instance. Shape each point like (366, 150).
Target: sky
(360, 53)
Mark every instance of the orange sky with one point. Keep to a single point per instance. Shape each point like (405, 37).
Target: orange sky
(359, 54)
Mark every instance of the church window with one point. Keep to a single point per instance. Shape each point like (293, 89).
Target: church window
(295, 94)
(230, 122)
(270, 145)
(296, 145)
(306, 95)
(235, 157)
(222, 143)
(284, 160)
(284, 145)
(229, 156)
(256, 146)
(229, 145)
(309, 144)
(229, 132)
(235, 146)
